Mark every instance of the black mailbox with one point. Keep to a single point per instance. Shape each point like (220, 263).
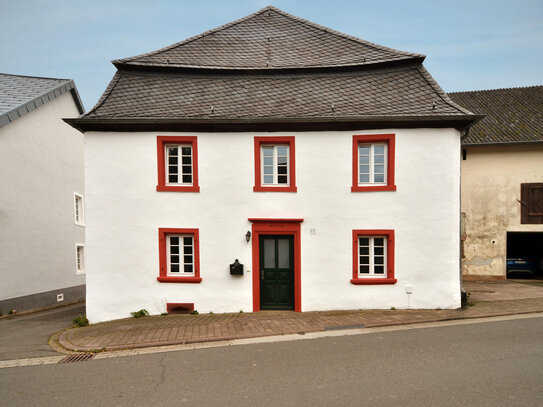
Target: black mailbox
(236, 268)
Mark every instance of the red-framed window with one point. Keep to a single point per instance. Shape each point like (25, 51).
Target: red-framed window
(177, 163)
(373, 257)
(179, 255)
(373, 162)
(275, 164)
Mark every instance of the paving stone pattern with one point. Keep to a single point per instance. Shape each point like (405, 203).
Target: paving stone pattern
(134, 333)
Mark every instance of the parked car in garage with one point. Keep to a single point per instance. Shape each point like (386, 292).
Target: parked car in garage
(521, 265)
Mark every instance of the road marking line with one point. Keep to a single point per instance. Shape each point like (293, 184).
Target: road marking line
(266, 339)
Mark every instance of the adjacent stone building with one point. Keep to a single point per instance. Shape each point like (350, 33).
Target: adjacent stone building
(502, 181)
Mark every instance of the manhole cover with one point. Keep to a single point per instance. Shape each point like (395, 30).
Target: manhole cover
(82, 357)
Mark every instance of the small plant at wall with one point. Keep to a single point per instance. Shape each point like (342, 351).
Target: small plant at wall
(211, 312)
(241, 311)
(164, 313)
(140, 313)
(393, 308)
(12, 312)
(194, 312)
(81, 320)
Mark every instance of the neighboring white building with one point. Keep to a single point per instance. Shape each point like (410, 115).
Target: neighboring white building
(502, 184)
(327, 165)
(41, 176)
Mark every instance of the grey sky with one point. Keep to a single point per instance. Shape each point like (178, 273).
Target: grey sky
(477, 44)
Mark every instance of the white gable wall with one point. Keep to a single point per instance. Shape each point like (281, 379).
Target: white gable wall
(41, 166)
(124, 212)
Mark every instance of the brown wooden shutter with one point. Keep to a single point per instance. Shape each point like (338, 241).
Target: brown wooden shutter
(531, 197)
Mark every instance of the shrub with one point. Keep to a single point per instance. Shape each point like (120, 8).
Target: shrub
(81, 320)
(194, 312)
(140, 313)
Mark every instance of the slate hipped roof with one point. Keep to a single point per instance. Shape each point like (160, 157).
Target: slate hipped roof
(272, 69)
(269, 39)
(513, 115)
(20, 95)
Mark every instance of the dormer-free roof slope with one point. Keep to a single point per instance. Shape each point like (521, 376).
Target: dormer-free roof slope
(512, 116)
(270, 71)
(269, 39)
(20, 95)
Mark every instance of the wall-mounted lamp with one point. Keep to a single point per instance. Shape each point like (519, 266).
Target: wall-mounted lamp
(248, 236)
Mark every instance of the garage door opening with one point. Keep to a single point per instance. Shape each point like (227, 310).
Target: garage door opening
(525, 255)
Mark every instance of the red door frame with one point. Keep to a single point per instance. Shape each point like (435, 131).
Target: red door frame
(266, 226)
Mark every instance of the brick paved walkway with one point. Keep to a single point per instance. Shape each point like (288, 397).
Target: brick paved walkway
(133, 333)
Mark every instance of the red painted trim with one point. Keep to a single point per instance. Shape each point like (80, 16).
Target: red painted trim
(276, 220)
(390, 139)
(161, 141)
(390, 257)
(163, 277)
(277, 227)
(170, 306)
(292, 164)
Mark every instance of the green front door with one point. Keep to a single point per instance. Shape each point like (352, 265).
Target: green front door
(276, 272)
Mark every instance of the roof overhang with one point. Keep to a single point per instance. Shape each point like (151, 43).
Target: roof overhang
(459, 122)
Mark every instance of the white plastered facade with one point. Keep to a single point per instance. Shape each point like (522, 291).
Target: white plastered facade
(124, 212)
(41, 167)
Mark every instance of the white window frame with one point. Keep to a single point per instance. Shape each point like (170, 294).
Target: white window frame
(80, 258)
(181, 254)
(79, 210)
(179, 174)
(275, 174)
(371, 255)
(372, 164)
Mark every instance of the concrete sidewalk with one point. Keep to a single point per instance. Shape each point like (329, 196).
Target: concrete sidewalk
(131, 333)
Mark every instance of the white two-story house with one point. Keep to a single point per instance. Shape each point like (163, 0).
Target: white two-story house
(328, 166)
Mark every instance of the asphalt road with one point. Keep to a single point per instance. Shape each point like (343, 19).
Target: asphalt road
(27, 336)
(482, 364)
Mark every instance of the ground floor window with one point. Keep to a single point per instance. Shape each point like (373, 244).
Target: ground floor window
(373, 257)
(179, 255)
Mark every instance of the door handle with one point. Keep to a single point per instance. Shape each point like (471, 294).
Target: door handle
(262, 274)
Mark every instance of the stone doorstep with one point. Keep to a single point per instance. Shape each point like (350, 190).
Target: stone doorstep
(69, 347)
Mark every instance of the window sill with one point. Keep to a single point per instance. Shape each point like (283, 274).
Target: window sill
(373, 281)
(274, 189)
(170, 188)
(373, 188)
(167, 279)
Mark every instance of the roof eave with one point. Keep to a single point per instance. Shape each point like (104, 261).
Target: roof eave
(459, 122)
(27, 107)
(502, 143)
(130, 65)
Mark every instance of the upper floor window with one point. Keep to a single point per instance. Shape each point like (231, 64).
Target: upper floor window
(531, 203)
(275, 164)
(177, 159)
(179, 255)
(373, 257)
(373, 163)
(79, 213)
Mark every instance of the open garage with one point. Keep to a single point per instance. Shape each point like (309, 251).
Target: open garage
(525, 255)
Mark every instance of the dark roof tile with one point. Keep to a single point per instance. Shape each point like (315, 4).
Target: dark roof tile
(269, 39)
(380, 92)
(513, 115)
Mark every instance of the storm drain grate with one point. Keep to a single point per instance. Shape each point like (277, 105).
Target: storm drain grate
(77, 358)
(337, 328)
